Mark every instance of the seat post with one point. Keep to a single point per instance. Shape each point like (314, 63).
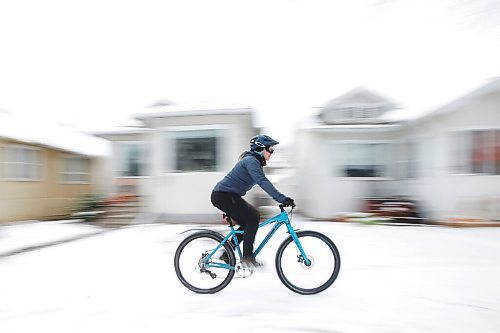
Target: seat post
(228, 219)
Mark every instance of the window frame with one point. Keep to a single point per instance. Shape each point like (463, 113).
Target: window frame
(342, 166)
(356, 113)
(169, 146)
(465, 162)
(146, 171)
(62, 170)
(6, 163)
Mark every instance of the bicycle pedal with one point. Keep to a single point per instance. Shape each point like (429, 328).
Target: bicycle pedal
(244, 272)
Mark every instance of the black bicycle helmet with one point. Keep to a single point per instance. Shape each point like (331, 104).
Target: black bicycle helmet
(260, 142)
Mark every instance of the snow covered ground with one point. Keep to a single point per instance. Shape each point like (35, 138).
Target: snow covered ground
(31, 234)
(393, 279)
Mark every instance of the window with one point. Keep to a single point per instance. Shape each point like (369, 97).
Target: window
(22, 163)
(476, 152)
(479, 152)
(365, 160)
(196, 150)
(132, 159)
(357, 113)
(76, 170)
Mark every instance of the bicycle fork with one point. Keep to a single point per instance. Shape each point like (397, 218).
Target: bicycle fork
(302, 258)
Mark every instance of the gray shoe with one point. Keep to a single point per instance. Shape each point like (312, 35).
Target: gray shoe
(249, 261)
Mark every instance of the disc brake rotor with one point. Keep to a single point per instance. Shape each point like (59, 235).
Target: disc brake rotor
(302, 262)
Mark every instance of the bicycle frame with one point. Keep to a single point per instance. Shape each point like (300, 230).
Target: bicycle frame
(279, 220)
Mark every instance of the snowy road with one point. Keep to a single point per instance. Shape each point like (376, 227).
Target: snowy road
(393, 279)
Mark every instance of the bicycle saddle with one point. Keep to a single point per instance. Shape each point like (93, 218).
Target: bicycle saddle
(229, 220)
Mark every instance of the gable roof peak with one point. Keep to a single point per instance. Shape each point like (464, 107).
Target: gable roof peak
(360, 95)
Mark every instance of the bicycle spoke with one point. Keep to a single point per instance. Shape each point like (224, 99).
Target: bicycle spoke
(323, 259)
(197, 270)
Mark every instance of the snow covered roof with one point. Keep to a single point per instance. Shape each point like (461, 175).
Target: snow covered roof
(314, 122)
(44, 133)
(359, 105)
(184, 110)
(363, 95)
(481, 89)
(404, 115)
(123, 130)
(356, 127)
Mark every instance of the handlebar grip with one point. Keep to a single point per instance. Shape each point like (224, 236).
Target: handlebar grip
(282, 207)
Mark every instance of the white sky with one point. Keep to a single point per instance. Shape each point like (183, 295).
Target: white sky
(91, 63)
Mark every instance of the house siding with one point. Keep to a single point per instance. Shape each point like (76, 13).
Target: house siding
(43, 198)
(441, 192)
(189, 192)
(322, 192)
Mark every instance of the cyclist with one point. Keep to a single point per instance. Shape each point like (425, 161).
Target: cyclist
(227, 193)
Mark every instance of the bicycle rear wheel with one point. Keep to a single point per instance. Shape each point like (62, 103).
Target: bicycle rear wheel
(198, 273)
(319, 275)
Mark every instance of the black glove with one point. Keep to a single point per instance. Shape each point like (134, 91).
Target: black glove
(289, 202)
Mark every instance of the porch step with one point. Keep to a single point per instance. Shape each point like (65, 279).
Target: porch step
(119, 214)
(125, 205)
(120, 217)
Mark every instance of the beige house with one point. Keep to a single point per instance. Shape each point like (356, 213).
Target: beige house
(44, 170)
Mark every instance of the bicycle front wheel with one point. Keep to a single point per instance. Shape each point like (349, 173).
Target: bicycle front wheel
(197, 270)
(323, 268)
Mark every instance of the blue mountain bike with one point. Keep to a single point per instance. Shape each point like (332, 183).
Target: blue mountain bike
(307, 262)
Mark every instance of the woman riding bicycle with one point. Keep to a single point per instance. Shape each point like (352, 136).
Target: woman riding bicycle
(227, 193)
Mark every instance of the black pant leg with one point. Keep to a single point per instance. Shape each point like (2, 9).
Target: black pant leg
(243, 212)
(248, 217)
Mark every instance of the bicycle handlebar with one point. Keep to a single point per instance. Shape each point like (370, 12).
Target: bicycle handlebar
(282, 207)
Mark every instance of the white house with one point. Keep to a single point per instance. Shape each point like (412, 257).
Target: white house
(174, 159)
(360, 146)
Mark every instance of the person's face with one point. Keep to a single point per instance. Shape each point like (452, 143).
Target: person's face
(268, 153)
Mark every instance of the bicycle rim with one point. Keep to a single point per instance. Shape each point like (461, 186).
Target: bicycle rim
(193, 269)
(296, 274)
